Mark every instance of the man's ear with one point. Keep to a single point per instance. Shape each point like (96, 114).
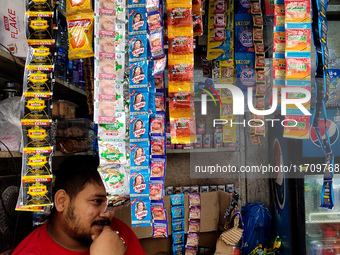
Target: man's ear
(61, 200)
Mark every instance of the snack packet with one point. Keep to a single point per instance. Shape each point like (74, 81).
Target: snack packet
(111, 152)
(78, 5)
(140, 212)
(139, 128)
(139, 183)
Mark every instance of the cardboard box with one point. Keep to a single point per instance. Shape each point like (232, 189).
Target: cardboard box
(213, 207)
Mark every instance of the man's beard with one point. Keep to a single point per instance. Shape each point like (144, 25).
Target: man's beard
(75, 230)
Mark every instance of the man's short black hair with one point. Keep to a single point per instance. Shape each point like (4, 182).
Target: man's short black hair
(75, 172)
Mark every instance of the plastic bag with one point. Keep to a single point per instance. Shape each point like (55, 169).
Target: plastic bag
(257, 225)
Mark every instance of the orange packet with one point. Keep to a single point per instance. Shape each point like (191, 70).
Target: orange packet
(296, 126)
(80, 34)
(78, 5)
(298, 39)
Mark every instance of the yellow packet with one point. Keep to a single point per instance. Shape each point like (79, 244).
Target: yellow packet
(78, 5)
(80, 34)
(296, 126)
(174, 87)
(180, 31)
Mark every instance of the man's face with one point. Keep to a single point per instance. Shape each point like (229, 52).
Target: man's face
(85, 214)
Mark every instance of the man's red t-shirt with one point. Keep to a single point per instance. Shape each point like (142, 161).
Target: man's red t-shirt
(40, 243)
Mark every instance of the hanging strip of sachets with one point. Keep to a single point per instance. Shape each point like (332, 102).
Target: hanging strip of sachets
(110, 110)
(181, 71)
(322, 83)
(177, 222)
(298, 64)
(194, 223)
(36, 108)
(257, 128)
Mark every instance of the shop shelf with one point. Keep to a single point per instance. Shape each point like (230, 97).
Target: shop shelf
(201, 150)
(5, 154)
(324, 217)
(16, 154)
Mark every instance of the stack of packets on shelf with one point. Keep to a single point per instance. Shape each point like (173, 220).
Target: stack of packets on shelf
(322, 85)
(181, 71)
(79, 20)
(109, 108)
(197, 17)
(147, 62)
(298, 64)
(177, 222)
(36, 113)
(258, 128)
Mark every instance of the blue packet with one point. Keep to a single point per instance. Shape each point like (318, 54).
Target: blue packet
(136, 3)
(160, 229)
(138, 74)
(139, 155)
(245, 70)
(178, 238)
(178, 249)
(140, 212)
(156, 187)
(137, 21)
(157, 124)
(177, 199)
(139, 183)
(178, 225)
(139, 101)
(156, 44)
(139, 128)
(244, 33)
(138, 47)
(177, 212)
(154, 20)
(157, 166)
(242, 7)
(158, 146)
(158, 211)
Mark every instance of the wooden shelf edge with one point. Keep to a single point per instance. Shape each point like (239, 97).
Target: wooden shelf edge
(70, 86)
(226, 149)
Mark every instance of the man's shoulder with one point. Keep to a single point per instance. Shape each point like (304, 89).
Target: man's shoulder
(33, 242)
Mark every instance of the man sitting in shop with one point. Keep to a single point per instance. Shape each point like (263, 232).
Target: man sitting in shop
(78, 224)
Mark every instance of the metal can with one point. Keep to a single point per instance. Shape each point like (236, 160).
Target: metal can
(315, 248)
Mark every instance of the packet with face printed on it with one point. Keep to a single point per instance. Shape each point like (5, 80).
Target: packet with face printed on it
(105, 47)
(140, 212)
(109, 90)
(139, 183)
(105, 111)
(139, 128)
(138, 74)
(137, 21)
(115, 129)
(105, 68)
(138, 47)
(139, 101)
(105, 25)
(111, 152)
(139, 155)
(115, 179)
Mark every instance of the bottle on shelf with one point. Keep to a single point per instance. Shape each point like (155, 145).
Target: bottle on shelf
(61, 51)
